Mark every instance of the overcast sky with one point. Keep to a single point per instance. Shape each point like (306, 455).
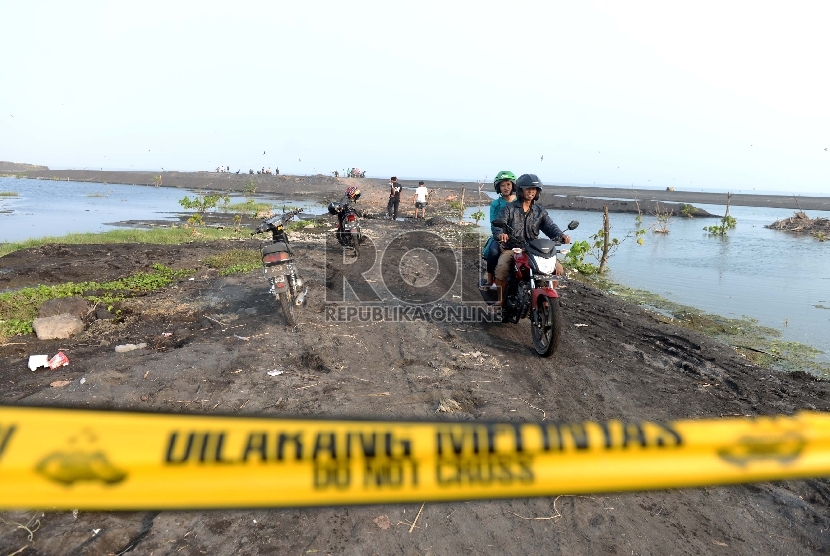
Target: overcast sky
(698, 95)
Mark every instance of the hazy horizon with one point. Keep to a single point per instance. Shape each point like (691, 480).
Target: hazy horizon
(704, 96)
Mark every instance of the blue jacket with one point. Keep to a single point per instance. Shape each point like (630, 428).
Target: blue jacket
(526, 226)
(495, 207)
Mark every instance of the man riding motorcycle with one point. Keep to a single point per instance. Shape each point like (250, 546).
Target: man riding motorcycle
(524, 220)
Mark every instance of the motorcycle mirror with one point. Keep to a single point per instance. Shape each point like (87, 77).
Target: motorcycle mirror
(573, 225)
(499, 223)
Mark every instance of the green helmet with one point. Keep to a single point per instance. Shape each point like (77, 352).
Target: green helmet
(504, 175)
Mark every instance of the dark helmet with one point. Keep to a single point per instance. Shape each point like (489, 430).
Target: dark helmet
(504, 175)
(526, 181)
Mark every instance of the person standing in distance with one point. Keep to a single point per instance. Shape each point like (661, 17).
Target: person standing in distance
(421, 193)
(394, 198)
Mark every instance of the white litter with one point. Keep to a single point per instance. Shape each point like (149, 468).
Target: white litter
(579, 324)
(83, 380)
(36, 361)
(275, 372)
(123, 348)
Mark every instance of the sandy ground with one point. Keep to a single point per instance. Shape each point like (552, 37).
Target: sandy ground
(621, 362)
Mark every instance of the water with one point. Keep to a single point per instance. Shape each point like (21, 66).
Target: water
(55, 208)
(778, 278)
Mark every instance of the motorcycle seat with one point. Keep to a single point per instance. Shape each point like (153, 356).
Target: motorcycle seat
(274, 248)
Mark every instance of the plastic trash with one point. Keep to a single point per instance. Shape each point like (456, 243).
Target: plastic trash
(275, 372)
(36, 361)
(59, 360)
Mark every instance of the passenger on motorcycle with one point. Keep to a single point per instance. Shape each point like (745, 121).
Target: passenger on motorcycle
(504, 184)
(524, 220)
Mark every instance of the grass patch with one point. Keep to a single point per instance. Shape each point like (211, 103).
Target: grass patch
(162, 236)
(248, 207)
(761, 345)
(19, 308)
(9, 193)
(299, 225)
(235, 261)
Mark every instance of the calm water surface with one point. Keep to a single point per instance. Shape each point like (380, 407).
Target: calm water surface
(54, 208)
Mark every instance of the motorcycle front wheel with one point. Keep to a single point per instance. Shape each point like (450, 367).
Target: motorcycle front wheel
(287, 308)
(546, 325)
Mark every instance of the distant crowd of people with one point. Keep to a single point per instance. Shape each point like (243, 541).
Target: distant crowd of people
(264, 171)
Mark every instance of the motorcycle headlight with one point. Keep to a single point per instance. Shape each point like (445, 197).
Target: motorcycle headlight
(546, 266)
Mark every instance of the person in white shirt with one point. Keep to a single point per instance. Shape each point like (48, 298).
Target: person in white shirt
(421, 194)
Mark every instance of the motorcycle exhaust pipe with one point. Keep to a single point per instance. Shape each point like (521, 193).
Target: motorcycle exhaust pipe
(301, 298)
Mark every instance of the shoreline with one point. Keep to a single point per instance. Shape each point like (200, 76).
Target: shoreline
(555, 196)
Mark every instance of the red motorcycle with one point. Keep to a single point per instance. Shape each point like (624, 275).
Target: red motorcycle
(531, 291)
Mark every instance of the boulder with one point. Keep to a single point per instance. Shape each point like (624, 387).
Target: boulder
(64, 305)
(57, 327)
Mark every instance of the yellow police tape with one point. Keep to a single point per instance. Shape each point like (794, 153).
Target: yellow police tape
(60, 458)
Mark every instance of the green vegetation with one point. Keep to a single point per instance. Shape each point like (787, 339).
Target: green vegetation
(235, 261)
(157, 180)
(726, 224)
(688, 211)
(250, 188)
(8, 194)
(477, 215)
(201, 205)
(98, 194)
(602, 247)
(163, 236)
(298, 225)
(248, 207)
(19, 308)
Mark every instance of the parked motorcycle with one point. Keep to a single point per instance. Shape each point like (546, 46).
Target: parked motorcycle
(531, 291)
(278, 265)
(348, 232)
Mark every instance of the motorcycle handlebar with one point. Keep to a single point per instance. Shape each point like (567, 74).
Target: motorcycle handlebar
(283, 218)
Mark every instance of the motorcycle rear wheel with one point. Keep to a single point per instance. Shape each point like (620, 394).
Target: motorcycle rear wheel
(546, 325)
(287, 308)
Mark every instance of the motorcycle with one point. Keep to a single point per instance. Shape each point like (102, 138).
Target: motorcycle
(531, 291)
(278, 265)
(348, 232)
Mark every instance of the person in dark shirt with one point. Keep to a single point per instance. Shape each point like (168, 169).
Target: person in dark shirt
(394, 198)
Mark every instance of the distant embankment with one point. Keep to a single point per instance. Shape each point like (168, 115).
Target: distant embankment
(576, 202)
(6, 167)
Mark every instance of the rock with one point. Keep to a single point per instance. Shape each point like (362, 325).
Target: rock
(103, 314)
(57, 327)
(64, 305)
